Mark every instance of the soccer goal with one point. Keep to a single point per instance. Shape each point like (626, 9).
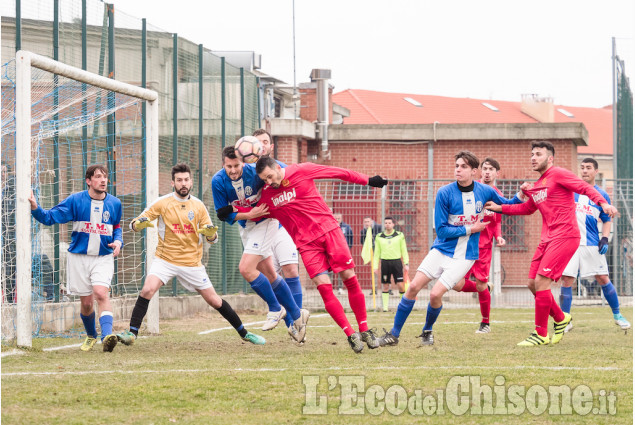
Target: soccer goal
(57, 120)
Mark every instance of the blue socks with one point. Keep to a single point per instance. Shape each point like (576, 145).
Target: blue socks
(262, 287)
(105, 321)
(89, 324)
(296, 290)
(283, 294)
(403, 311)
(566, 296)
(431, 317)
(611, 297)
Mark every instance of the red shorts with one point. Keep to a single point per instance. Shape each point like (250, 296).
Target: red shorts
(328, 252)
(481, 267)
(552, 257)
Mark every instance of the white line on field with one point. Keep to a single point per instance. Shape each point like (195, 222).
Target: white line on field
(326, 369)
(12, 353)
(209, 331)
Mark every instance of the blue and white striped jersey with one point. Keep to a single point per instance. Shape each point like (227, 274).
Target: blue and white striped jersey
(454, 210)
(244, 192)
(96, 223)
(588, 212)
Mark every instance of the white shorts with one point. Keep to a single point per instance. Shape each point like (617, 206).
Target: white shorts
(85, 271)
(587, 260)
(284, 250)
(191, 278)
(448, 270)
(258, 237)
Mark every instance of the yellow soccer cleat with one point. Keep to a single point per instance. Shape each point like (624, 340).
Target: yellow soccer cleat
(559, 328)
(534, 340)
(88, 344)
(109, 342)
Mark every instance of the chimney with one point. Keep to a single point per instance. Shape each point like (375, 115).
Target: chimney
(321, 77)
(537, 107)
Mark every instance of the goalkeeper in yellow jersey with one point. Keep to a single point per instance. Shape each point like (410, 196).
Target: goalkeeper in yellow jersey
(182, 221)
(390, 248)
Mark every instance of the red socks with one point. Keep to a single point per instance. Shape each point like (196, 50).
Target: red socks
(485, 299)
(543, 306)
(555, 311)
(357, 300)
(335, 309)
(469, 286)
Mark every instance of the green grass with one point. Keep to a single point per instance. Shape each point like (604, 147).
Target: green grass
(186, 378)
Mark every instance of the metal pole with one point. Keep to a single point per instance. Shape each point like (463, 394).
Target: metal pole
(223, 135)
(258, 117)
(616, 247)
(242, 102)
(84, 101)
(200, 121)
(110, 138)
(175, 114)
(144, 133)
(18, 25)
(56, 152)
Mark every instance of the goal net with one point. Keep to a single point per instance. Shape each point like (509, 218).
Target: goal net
(56, 121)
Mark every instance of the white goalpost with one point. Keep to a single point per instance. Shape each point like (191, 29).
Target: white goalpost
(26, 134)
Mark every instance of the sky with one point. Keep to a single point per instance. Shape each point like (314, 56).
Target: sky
(495, 50)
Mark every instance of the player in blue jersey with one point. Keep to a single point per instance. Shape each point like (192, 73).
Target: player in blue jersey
(589, 259)
(236, 189)
(458, 219)
(95, 242)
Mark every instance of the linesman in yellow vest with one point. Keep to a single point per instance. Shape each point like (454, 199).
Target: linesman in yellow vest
(390, 248)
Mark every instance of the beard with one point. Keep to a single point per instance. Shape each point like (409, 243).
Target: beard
(184, 191)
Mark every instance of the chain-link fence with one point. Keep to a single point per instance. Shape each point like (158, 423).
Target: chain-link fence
(411, 204)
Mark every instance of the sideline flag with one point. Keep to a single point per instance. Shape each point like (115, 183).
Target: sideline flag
(367, 249)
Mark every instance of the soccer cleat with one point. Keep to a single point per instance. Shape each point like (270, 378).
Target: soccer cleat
(621, 321)
(483, 328)
(370, 338)
(559, 327)
(254, 339)
(490, 286)
(568, 328)
(273, 318)
(88, 344)
(109, 342)
(355, 340)
(534, 340)
(293, 332)
(300, 325)
(387, 339)
(126, 337)
(427, 338)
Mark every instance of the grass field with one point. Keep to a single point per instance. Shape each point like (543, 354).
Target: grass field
(185, 377)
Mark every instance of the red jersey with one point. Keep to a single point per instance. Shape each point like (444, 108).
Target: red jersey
(552, 194)
(297, 204)
(493, 229)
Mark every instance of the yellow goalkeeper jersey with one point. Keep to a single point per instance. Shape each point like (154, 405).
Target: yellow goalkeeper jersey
(177, 223)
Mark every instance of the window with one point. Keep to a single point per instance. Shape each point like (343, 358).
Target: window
(512, 226)
(404, 203)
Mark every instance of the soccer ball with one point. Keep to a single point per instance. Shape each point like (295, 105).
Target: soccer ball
(248, 149)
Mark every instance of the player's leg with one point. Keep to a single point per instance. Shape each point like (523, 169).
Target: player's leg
(102, 269)
(610, 294)
(281, 291)
(566, 293)
(78, 272)
(87, 314)
(480, 269)
(398, 276)
(285, 259)
(385, 280)
(211, 297)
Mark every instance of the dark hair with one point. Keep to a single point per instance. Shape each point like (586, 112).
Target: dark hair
(591, 161)
(492, 162)
(543, 144)
(390, 218)
(468, 157)
(264, 162)
(90, 171)
(262, 131)
(229, 152)
(181, 168)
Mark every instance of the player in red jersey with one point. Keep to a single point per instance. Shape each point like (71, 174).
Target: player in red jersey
(552, 194)
(480, 270)
(291, 197)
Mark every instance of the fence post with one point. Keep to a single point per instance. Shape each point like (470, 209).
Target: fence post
(175, 114)
(56, 152)
(223, 135)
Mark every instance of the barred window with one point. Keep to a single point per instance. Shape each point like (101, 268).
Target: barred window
(512, 226)
(403, 196)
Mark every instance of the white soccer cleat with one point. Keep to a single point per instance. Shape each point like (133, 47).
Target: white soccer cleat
(621, 322)
(568, 328)
(300, 325)
(273, 318)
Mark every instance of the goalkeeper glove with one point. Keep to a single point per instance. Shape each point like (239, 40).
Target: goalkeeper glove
(377, 181)
(603, 246)
(141, 223)
(209, 231)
